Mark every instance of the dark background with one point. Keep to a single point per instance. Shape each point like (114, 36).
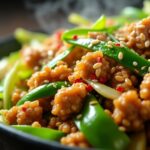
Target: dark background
(52, 14)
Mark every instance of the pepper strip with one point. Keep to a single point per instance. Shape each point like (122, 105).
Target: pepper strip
(9, 84)
(42, 91)
(44, 133)
(99, 128)
(104, 90)
(59, 57)
(82, 31)
(130, 59)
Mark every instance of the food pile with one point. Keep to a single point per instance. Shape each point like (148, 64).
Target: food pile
(87, 87)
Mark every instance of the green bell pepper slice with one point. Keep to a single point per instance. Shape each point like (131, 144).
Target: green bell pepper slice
(99, 128)
(100, 23)
(43, 91)
(9, 85)
(84, 31)
(59, 57)
(25, 36)
(130, 59)
(44, 133)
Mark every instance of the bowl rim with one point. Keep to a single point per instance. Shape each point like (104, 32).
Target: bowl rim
(25, 137)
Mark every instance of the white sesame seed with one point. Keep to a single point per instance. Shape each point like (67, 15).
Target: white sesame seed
(142, 68)
(95, 42)
(90, 45)
(110, 42)
(98, 72)
(128, 82)
(136, 71)
(120, 56)
(93, 102)
(133, 33)
(121, 128)
(147, 43)
(135, 63)
(46, 81)
(119, 78)
(113, 69)
(110, 46)
(79, 116)
(142, 36)
(97, 65)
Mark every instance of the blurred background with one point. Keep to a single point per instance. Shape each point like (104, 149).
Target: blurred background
(49, 15)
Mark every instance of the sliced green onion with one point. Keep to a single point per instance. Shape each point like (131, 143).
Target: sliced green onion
(25, 36)
(9, 84)
(59, 57)
(104, 90)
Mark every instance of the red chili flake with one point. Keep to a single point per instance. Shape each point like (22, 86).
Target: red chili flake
(93, 77)
(59, 45)
(102, 80)
(99, 59)
(24, 109)
(59, 34)
(78, 80)
(117, 44)
(89, 88)
(120, 88)
(75, 37)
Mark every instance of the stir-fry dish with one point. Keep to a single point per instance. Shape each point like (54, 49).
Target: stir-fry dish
(86, 87)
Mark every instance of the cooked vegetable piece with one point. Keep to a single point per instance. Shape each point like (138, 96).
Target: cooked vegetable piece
(42, 91)
(104, 90)
(132, 12)
(84, 31)
(100, 23)
(44, 133)
(123, 55)
(75, 18)
(9, 84)
(59, 57)
(99, 128)
(7, 62)
(25, 36)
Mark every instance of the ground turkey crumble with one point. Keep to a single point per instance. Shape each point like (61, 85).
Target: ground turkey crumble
(126, 112)
(59, 73)
(24, 114)
(69, 100)
(130, 111)
(145, 87)
(75, 139)
(137, 36)
(122, 77)
(65, 126)
(93, 63)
